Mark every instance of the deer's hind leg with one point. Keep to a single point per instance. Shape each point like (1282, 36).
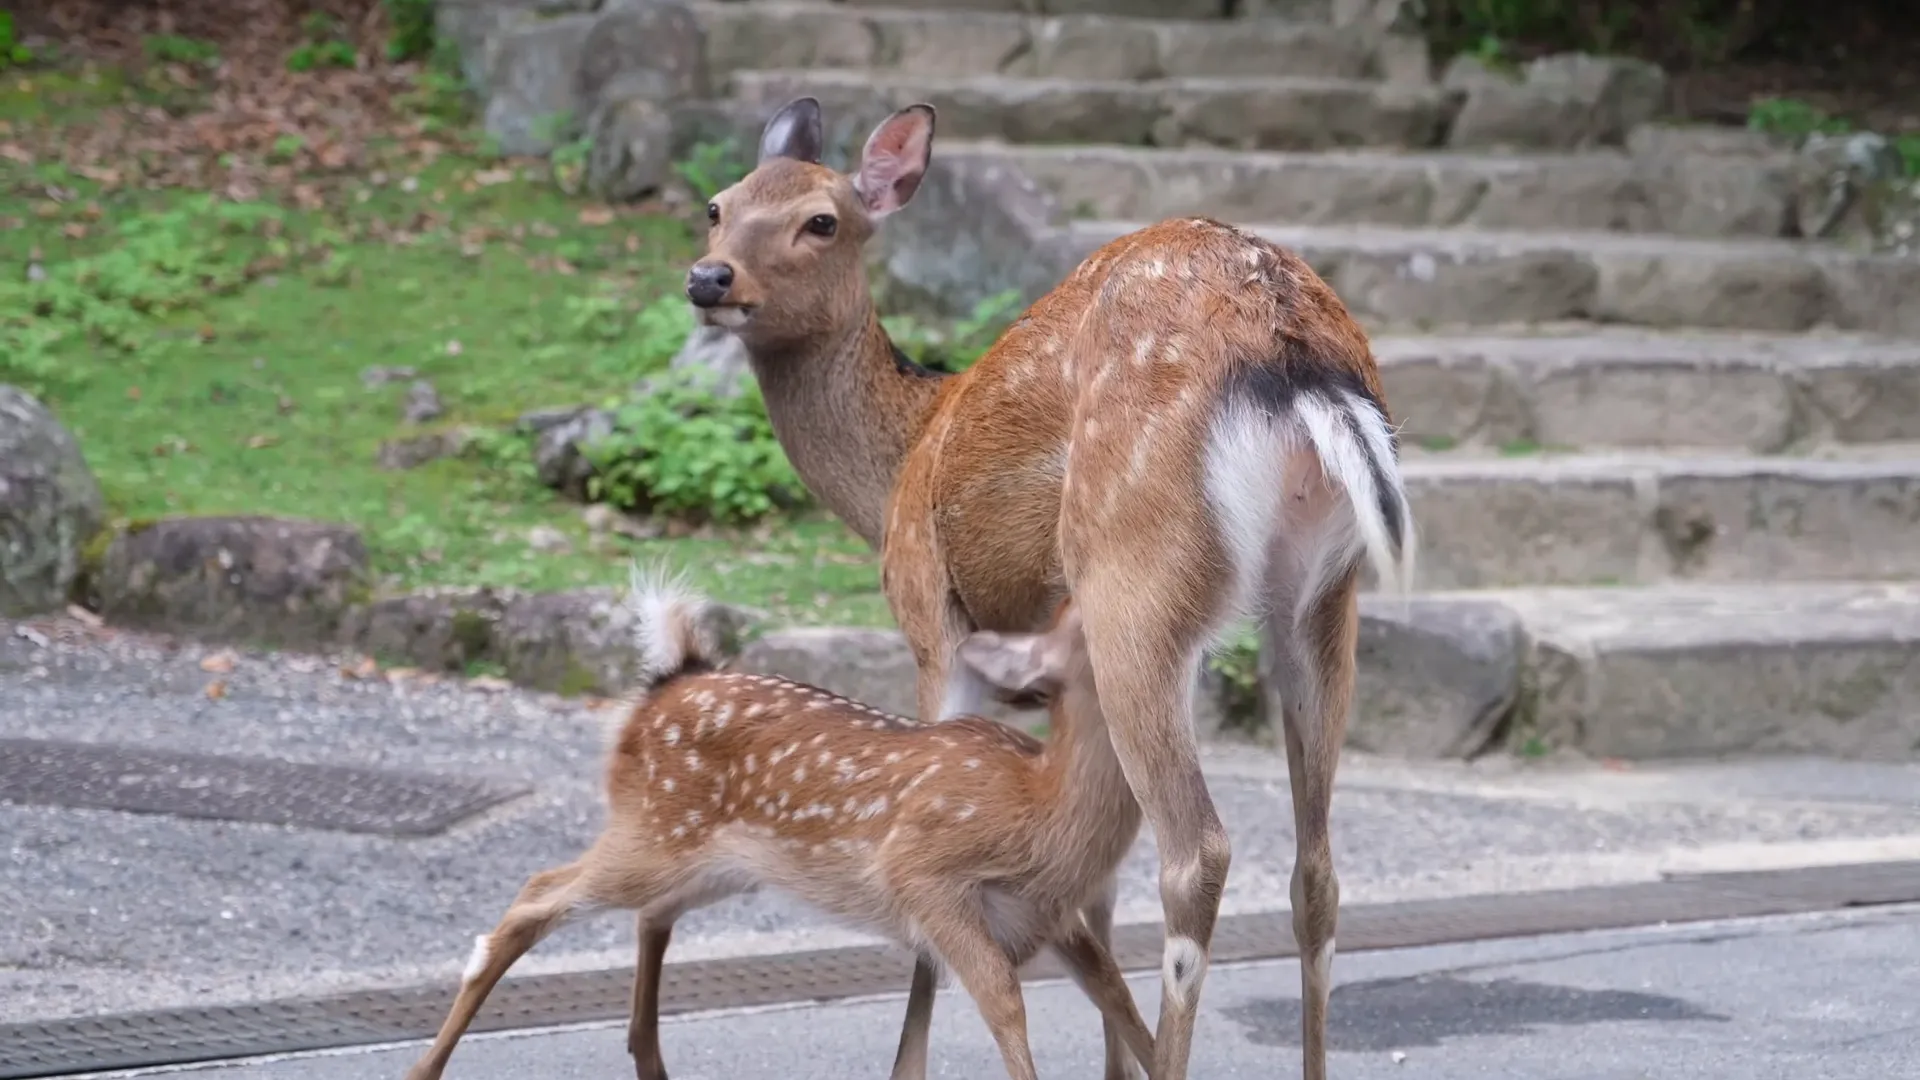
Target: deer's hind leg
(549, 899)
(1307, 658)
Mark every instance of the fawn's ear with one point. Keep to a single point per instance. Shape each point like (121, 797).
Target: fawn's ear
(1019, 666)
(895, 160)
(795, 132)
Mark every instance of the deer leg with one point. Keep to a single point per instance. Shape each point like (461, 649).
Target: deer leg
(1122, 1045)
(643, 1032)
(910, 1062)
(1088, 953)
(1146, 666)
(544, 902)
(959, 933)
(1309, 659)
(945, 687)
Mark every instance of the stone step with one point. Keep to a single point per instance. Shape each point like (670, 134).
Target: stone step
(1598, 190)
(1292, 113)
(1674, 671)
(1705, 670)
(1599, 387)
(1531, 517)
(945, 43)
(1161, 9)
(1474, 277)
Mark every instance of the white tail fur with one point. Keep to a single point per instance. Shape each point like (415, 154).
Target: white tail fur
(670, 631)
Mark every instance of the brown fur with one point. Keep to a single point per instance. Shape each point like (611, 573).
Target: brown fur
(970, 842)
(1099, 448)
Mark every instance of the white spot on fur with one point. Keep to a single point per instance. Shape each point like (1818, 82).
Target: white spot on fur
(477, 959)
(672, 735)
(1182, 966)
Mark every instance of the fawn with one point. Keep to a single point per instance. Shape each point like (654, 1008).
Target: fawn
(1190, 427)
(971, 843)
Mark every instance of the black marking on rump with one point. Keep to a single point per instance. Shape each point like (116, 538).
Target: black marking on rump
(1275, 387)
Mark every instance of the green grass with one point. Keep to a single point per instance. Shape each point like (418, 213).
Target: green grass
(242, 392)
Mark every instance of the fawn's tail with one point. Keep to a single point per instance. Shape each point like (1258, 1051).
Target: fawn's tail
(671, 629)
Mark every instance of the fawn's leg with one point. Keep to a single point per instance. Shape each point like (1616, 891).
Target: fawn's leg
(643, 1031)
(910, 1062)
(1088, 954)
(1099, 919)
(544, 902)
(958, 932)
(1310, 663)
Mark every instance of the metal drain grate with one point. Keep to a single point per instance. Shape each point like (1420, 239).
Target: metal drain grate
(149, 781)
(181, 1035)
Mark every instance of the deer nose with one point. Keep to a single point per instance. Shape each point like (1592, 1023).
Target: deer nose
(707, 283)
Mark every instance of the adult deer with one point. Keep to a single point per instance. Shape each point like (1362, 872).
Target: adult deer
(1188, 428)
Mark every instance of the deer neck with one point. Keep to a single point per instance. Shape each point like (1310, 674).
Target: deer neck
(1092, 789)
(846, 411)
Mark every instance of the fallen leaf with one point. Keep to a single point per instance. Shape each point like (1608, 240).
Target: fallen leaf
(489, 683)
(596, 215)
(261, 442)
(402, 674)
(219, 663)
(133, 393)
(216, 689)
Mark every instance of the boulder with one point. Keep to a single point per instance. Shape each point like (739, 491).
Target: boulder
(1562, 102)
(434, 629)
(50, 506)
(581, 642)
(558, 458)
(651, 49)
(413, 451)
(632, 152)
(1853, 188)
(718, 353)
(974, 228)
(422, 403)
(1435, 677)
(475, 27)
(266, 581)
(533, 100)
(873, 667)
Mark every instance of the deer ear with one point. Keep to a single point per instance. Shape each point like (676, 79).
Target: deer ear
(895, 160)
(1018, 665)
(794, 132)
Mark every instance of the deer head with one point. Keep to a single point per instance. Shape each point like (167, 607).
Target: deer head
(783, 261)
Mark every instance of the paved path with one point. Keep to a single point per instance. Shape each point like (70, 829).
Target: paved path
(1829, 997)
(112, 911)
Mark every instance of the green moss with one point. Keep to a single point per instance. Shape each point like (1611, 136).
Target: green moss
(577, 680)
(472, 632)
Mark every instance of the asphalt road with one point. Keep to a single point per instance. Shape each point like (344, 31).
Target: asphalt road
(112, 911)
(1828, 997)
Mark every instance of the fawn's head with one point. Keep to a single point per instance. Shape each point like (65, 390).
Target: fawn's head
(783, 258)
(1032, 669)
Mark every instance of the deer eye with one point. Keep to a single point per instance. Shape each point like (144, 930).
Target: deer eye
(713, 213)
(822, 224)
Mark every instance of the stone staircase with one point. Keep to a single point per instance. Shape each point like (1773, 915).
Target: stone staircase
(1670, 440)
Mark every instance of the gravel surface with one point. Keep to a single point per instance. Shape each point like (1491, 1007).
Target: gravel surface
(113, 911)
